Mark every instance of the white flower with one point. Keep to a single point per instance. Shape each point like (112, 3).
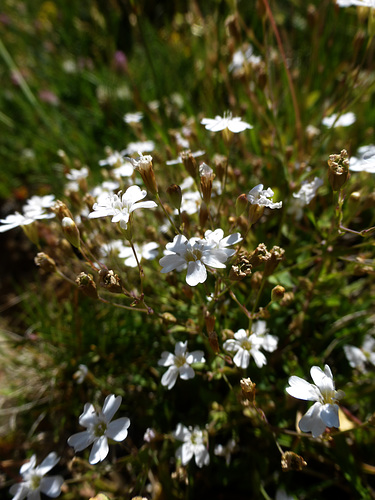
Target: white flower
(324, 412)
(303, 197)
(14, 220)
(260, 196)
(37, 204)
(147, 251)
(179, 364)
(225, 450)
(246, 346)
(356, 3)
(336, 120)
(136, 147)
(226, 122)
(149, 435)
(366, 160)
(359, 357)
(195, 154)
(217, 240)
(121, 206)
(116, 159)
(99, 429)
(77, 174)
(194, 445)
(133, 117)
(34, 481)
(241, 57)
(81, 373)
(195, 254)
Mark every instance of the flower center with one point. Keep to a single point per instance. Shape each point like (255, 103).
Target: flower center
(246, 344)
(328, 396)
(180, 360)
(193, 255)
(35, 482)
(100, 428)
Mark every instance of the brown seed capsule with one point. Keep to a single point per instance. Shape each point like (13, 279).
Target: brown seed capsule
(292, 461)
(87, 285)
(45, 262)
(338, 172)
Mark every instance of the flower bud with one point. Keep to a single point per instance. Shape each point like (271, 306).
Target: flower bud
(61, 210)
(145, 167)
(255, 213)
(221, 163)
(175, 195)
(189, 163)
(207, 176)
(203, 214)
(277, 293)
(45, 262)
(241, 204)
(338, 172)
(71, 231)
(87, 285)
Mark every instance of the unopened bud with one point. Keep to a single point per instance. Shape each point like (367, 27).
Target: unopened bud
(175, 195)
(241, 204)
(31, 231)
(277, 293)
(87, 285)
(255, 213)
(61, 210)
(203, 214)
(146, 169)
(338, 172)
(207, 176)
(221, 163)
(71, 231)
(213, 341)
(45, 262)
(189, 163)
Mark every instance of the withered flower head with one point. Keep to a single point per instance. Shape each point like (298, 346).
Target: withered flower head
(338, 172)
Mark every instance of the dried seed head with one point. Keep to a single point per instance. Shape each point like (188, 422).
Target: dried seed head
(86, 283)
(277, 255)
(110, 280)
(338, 172)
(248, 389)
(292, 461)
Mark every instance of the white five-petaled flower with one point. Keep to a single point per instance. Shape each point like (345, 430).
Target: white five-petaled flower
(303, 197)
(261, 197)
(179, 364)
(219, 123)
(195, 254)
(356, 3)
(325, 411)
(147, 251)
(225, 450)
(99, 429)
(135, 117)
(216, 238)
(337, 120)
(246, 346)
(34, 481)
(359, 357)
(365, 162)
(194, 444)
(120, 206)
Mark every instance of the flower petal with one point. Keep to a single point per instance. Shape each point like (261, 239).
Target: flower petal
(111, 405)
(81, 440)
(48, 463)
(301, 389)
(99, 450)
(51, 486)
(196, 273)
(118, 429)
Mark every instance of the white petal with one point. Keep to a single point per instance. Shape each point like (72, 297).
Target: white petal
(186, 372)
(19, 491)
(330, 415)
(242, 358)
(89, 415)
(202, 457)
(99, 450)
(311, 421)
(185, 452)
(180, 348)
(259, 358)
(118, 429)
(81, 440)
(170, 376)
(301, 389)
(111, 404)
(182, 433)
(48, 463)
(51, 486)
(167, 359)
(196, 273)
